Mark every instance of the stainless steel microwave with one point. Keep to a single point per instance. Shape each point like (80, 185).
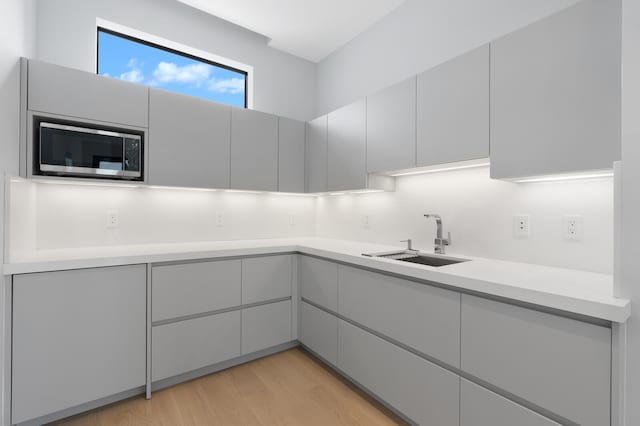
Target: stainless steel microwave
(68, 150)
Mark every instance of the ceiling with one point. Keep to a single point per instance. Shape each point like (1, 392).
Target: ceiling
(310, 29)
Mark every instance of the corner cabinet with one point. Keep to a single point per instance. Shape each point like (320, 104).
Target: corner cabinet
(555, 93)
(316, 155)
(347, 138)
(291, 161)
(189, 141)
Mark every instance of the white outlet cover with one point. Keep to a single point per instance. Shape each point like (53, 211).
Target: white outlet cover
(219, 219)
(573, 227)
(521, 226)
(113, 218)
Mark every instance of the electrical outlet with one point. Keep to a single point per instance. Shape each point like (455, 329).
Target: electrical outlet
(113, 219)
(219, 219)
(292, 219)
(573, 227)
(366, 221)
(521, 226)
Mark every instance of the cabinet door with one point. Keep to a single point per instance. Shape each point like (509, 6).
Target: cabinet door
(453, 110)
(422, 391)
(347, 134)
(391, 128)
(254, 150)
(291, 146)
(78, 336)
(555, 93)
(319, 332)
(65, 91)
(189, 141)
(560, 364)
(188, 345)
(316, 155)
(266, 326)
(195, 288)
(319, 281)
(481, 407)
(266, 278)
(423, 317)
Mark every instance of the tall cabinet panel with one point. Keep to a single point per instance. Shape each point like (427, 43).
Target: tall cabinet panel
(291, 141)
(555, 93)
(453, 110)
(391, 128)
(189, 141)
(254, 150)
(347, 134)
(316, 155)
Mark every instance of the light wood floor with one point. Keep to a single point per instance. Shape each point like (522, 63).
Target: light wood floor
(289, 388)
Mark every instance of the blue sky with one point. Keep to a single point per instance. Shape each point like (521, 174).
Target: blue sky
(139, 63)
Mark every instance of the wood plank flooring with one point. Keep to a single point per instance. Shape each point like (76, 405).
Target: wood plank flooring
(289, 388)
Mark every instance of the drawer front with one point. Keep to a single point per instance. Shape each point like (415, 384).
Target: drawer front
(423, 317)
(266, 278)
(422, 391)
(194, 288)
(266, 326)
(184, 346)
(319, 281)
(65, 91)
(319, 331)
(481, 407)
(560, 364)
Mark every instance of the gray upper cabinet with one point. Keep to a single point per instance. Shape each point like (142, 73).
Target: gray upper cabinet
(453, 110)
(347, 134)
(189, 141)
(555, 93)
(65, 91)
(254, 150)
(391, 128)
(316, 155)
(291, 146)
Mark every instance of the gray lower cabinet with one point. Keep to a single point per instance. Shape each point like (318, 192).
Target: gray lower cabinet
(555, 93)
(189, 141)
(559, 364)
(316, 155)
(391, 128)
(266, 278)
(318, 330)
(184, 346)
(481, 407)
(424, 317)
(265, 326)
(420, 390)
(453, 110)
(319, 281)
(194, 288)
(78, 336)
(347, 138)
(254, 150)
(291, 147)
(65, 91)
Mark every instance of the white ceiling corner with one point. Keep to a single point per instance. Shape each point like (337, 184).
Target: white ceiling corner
(310, 29)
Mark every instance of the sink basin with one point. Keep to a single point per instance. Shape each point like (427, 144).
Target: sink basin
(417, 257)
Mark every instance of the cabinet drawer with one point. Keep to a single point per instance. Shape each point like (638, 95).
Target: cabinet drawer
(481, 407)
(319, 281)
(424, 392)
(266, 278)
(184, 346)
(319, 331)
(423, 317)
(194, 288)
(65, 91)
(560, 364)
(266, 326)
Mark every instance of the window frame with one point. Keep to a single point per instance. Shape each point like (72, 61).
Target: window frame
(101, 27)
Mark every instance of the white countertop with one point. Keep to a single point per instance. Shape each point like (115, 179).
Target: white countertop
(579, 292)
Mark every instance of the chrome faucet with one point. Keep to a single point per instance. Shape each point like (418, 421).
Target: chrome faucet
(440, 242)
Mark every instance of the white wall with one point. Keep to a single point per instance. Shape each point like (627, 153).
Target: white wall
(415, 37)
(283, 84)
(479, 213)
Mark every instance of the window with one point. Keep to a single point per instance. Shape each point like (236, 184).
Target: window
(139, 61)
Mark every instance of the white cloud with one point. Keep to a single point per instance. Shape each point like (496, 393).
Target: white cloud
(231, 85)
(168, 72)
(135, 74)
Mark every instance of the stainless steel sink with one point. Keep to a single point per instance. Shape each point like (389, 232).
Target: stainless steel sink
(413, 256)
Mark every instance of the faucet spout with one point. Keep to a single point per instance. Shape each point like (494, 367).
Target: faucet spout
(440, 242)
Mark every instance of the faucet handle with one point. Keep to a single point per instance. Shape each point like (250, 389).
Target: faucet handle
(409, 243)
